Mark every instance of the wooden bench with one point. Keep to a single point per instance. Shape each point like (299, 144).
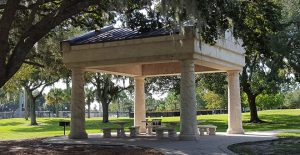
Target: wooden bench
(107, 132)
(210, 129)
(134, 131)
(160, 132)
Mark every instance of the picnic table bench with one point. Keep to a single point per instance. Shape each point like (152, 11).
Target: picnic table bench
(107, 131)
(134, 131)
(160, 132)
(210, 129)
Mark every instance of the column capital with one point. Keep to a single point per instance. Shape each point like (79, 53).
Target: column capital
(77, 69)
(187, 60)
(234, 71)
(139, 77)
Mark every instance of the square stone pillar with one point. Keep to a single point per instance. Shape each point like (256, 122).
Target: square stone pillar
(188, 105)
(139, 103)
(77, 129)
(234, 104)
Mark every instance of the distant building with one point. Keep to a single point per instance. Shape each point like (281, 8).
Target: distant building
(22, 102)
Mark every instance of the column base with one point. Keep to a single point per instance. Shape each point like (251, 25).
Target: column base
(142, 130)
(80, 135)
(189, 137)
(235, 131)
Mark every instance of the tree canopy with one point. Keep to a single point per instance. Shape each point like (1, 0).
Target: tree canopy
(23, 23)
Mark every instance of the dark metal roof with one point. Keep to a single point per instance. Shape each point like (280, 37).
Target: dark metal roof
(110, 34)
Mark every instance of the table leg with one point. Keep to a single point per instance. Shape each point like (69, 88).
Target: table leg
(149, 128)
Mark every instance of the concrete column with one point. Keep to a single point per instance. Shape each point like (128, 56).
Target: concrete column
(77, 130)
(139, 103)
(234, 104)
(188, 107)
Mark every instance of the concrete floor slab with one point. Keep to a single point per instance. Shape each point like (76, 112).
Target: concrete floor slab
(214, 145)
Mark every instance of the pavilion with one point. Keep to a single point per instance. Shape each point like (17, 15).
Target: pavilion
(161, 52)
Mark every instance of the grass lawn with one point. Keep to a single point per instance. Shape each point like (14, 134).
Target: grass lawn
(18, 128)
(289, 135)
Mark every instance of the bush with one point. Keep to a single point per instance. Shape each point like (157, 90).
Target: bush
(270, 101)
(292, 100)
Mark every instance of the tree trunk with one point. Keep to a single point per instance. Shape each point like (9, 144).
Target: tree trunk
(251, 97)
(105, 112)
(26, 106)
(89, 110)
(57, 110)
(32, 110)
(252, 105)
(253, 110)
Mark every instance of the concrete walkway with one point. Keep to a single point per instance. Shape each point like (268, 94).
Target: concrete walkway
(214, 145)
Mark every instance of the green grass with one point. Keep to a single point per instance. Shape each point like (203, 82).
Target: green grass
(289, 135)
(275, 120)
(18, 128)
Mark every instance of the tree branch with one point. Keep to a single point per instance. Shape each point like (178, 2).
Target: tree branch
(33, 63)
(40, 29)
(6, 21)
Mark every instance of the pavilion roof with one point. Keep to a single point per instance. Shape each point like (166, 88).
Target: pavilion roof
(110, 34)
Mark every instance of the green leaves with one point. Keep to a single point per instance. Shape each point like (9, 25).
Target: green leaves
(56, 96)
(254, 22)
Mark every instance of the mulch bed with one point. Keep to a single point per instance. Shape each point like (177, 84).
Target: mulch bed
(36, 146)
(281, 146)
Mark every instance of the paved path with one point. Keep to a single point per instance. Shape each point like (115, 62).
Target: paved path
(214, 145)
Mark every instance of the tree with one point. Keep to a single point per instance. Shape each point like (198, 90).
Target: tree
(34, 80)
(153, 104)
(214, 101)
(292, 99)
(261, 73)
(89, 98)
(23, 23)
(287, 41)
(252, 21)
(43, 67)
(270, 101)
(9, 100)
(56, 97)
(107, 89)
(172, 101)
(123, 102)
(210, 17)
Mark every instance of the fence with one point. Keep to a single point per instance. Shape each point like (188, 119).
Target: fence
(67, 114)
(4, 115)
(177, 113)
(64, 114)
(117, 114)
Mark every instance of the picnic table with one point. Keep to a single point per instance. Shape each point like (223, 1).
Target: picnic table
(120, 129)
(151, 124)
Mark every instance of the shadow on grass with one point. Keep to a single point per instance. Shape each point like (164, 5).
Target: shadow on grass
(274, 122)
(11, 123)
(48, 125)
